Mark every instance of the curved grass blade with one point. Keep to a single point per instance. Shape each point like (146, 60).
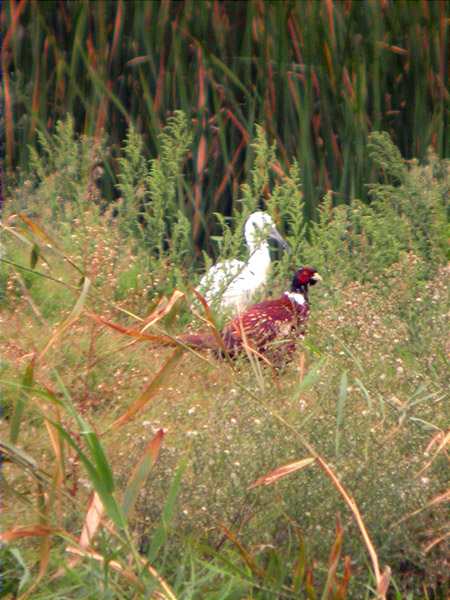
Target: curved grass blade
(282, 472)
(141, 472)
(27, 382)
(150, 391)
(74, 315)
(160, 535)
(340, 410)
(100, 476)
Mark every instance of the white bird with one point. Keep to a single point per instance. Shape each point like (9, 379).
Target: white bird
(231, 284)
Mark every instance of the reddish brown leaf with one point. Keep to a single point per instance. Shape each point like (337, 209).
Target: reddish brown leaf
(442, 439)
(117, 27)
(163, 308)
(394, 49)
(201, 156)
(342, 590)
(383, 582)
(24, 532)
(228, 172)
(135, 333)
(238, 125)
(435, 542)
(92, 520)
(283, 471)
(329, 5)
(138, 60)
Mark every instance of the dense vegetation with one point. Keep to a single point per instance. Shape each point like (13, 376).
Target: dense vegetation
(318, 76)
(172, 442)
(136, 139)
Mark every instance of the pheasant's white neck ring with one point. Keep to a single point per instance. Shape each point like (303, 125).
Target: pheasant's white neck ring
(296, 297)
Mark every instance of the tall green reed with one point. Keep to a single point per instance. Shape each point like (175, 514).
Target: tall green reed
(319, 76)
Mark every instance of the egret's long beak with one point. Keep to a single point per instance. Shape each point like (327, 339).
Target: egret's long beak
(275, 235)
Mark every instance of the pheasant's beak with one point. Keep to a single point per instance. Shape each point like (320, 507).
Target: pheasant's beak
(274, 235)
(316, 277)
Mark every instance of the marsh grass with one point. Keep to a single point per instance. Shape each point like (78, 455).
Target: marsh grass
(319, 76)
(173, 443)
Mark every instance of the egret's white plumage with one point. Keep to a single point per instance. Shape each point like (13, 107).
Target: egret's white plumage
(231, 284)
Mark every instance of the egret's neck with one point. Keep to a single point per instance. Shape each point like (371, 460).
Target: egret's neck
(259, 259)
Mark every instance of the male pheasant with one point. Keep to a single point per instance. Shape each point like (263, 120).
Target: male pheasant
(268, 329)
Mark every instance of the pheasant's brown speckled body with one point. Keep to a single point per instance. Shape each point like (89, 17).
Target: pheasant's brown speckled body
(268, 329)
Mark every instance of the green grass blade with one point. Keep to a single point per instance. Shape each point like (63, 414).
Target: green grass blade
(141, 473)
(340, 410)
(160, 536)
(16, 419)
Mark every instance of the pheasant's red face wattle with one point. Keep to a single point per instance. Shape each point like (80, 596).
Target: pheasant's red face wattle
(304, 277)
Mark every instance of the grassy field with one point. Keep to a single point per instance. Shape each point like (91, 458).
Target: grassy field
(129, 467)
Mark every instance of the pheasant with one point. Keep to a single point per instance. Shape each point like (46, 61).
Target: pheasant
(231, 284)
(268, 329)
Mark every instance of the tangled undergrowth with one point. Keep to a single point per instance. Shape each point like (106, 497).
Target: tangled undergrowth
(172, 443)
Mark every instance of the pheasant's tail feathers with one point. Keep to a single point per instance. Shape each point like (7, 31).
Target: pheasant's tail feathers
(200, 341)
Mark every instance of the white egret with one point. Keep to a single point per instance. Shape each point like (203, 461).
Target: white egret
(231, 284)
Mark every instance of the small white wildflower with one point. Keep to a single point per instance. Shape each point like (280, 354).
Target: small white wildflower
(192, 410)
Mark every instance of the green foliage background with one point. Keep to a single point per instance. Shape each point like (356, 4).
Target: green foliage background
(318, 75)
